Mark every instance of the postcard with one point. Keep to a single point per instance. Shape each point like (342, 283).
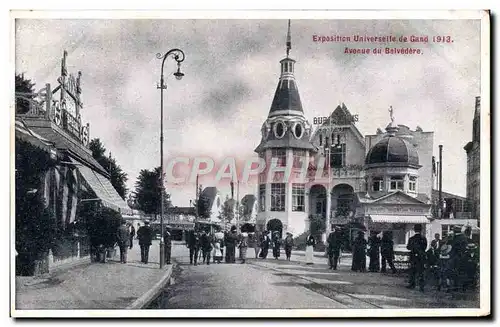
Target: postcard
(250, 164)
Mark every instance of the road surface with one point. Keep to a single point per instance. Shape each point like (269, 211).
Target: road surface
(278, 284)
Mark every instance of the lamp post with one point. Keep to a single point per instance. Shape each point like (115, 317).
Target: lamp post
(178, 56)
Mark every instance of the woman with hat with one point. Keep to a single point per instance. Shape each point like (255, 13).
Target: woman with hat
(359, 253)
(310, 243)
(243, 247)
(231, 240)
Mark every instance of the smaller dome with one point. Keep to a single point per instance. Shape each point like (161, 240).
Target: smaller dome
(392, 149)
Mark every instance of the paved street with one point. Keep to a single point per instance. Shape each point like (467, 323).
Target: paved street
(110, 285)
(279, 284)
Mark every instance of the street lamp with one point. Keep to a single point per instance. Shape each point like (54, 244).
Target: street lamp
(178, 56)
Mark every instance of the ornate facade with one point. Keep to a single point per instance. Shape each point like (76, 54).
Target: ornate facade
(381, 182)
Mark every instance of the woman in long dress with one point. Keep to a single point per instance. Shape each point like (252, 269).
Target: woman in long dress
(276, 245)
(310, 243)
(265, 245)
(243, 247)
(374, 252)
(359, 253)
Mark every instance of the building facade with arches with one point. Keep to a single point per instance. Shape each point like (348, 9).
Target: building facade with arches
(380, 182)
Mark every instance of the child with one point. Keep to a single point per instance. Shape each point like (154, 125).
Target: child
(217, 251)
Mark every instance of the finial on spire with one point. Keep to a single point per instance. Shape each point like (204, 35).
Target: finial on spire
(288, 40)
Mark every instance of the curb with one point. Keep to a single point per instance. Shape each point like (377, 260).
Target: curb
(153, 293)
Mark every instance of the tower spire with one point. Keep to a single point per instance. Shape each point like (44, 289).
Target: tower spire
(288, 40)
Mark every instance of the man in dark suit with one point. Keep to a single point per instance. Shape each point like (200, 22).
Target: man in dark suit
(145, 236)
(123, 238)
(167, 239)
(334, 244)
(193, 243)
(417, 244)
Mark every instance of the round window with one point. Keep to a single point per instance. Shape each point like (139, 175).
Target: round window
(298, 130)
(279, 129)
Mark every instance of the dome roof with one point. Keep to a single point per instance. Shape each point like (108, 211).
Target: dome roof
(392, 149)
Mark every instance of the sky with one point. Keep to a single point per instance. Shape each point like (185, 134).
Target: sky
(231, 72)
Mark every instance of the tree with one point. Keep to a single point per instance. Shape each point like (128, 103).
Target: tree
(147, 192)
(202, 205)
(117, 177)
(25, 90)
(227, 210)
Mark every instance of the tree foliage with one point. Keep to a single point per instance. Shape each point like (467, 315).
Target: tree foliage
(26, 87)
(35, 226)
(227, 210)
(118, 178)
(147, 195)
(317, 225)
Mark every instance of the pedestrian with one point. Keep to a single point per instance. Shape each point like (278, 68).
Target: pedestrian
(145, 236)
(276, 245)
(167, 240)
(132, 234)
(472, 261)
(432, 263)
(417, 244)
(310, 243)
(193, 244)
(334, 244)
(458, 257)
(217, 249)
(288, 245)
(374, 252)
(257, 241)
(252, 243)
(231, 241)
(219, 238)
(266, 242)
(123, 238)
(436, 242)
(387, 251)
(243, 247)
(206, 246)
(359, 253)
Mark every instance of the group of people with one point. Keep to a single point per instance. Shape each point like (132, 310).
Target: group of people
(125, 240)
(213, 247)
(451, 263)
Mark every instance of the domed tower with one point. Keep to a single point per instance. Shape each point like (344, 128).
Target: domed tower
(392, 164)
(393, 202)
(285, 146)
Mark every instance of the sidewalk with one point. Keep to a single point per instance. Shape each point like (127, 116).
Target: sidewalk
(110, 285)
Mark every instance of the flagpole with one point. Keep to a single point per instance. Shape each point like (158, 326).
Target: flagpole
(197, 199)
(238, 205)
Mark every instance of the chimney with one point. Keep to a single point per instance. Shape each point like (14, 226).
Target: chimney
(441, 180)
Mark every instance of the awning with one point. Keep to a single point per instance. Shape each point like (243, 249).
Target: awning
(27, 135)
(399, 219)
(103, 188)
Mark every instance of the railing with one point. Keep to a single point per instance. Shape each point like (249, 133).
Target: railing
(42, 105)
(34, 104)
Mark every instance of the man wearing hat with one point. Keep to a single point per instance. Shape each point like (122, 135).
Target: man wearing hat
(288, 245)
(458, 256)
(167, 240)
(417, 244)
(334, 242)
(145, 236)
